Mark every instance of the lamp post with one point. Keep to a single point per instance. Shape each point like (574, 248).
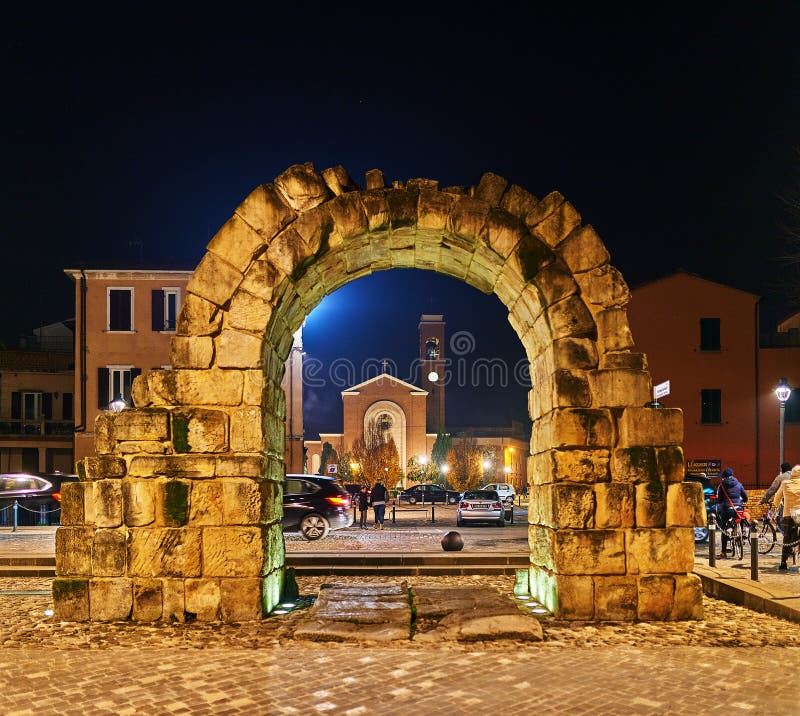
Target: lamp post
(783, 392)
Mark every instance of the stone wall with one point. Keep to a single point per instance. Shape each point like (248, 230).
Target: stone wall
(179, 516)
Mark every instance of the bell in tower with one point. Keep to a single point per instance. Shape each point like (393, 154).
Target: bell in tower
(432, 360)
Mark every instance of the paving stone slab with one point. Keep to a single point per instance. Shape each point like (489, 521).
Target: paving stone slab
(349, 631)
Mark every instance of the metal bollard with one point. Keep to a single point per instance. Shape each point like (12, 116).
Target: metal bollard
(712, 541)
(754, 551)
(433, 512)
(393, 516)
(16, 513)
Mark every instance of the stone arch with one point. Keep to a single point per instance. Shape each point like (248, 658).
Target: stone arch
(179, 512)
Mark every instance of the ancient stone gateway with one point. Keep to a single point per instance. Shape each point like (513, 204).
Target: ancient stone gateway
(179, 512)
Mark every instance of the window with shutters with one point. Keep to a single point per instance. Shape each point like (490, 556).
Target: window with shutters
(114, 382)
(711, 406)
(67, 406)
(120, 309)
(709, 334)
(165, 303)
(31, 406)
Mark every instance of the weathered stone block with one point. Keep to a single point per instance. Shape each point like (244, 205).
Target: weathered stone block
(573, 506)
(503, 232)
(651, 503)
(199, 430)
(164, 552)
(232, 551)
(650, 426)
(147, 600)
(150, 447)
(238, 350)
(240, 466)
(260, 280)
(265, 210)
(253, 393)
(173, 600)
(72, 500)
(688, 598)
(214, 280)
(660, 551)
(241, 502)
(634, 465)
(613, 332)
(619, 388)
(139, 502)
(301, 187)
(555, 227)
(685, 506)
(194, 352)
(240, 599)
(518, 201)
(195, 387)
(107, 499)
(104, 440)
(108, 553)
(574, 427)
(604, 286)
(574, 354)
(586, 466)
(172, 502)
(246, 431)
(583, 250)
(288, 252)
(274, 551)
(188, 466)
(249, 312)
(656, 598)
(575, 597)
(570, 318)
(103, 467)
(615, 598)
(71, 599)
(206, 505)
(198, 317)
(582, 552)
(625, 360)
(237, 243)
(203, 599)
(141, 424)
(670, 463)
(110, 599)
(614, 505)
(74, 551)
(271, 501)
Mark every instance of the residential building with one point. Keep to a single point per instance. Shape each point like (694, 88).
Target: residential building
(125, 319)
(705, 339)
(37, 404)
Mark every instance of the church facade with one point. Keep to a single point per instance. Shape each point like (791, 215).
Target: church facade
(412, 416)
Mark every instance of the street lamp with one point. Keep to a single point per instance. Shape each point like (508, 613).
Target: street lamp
(118, 404)
(783, 392)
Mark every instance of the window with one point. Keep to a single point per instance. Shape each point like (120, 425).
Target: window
(67, 407)
(120, 309)
(710, 406)
(709, 334)
(792, 414)
(114, 382)
(165, 304)
(31, 406)
(432, 349)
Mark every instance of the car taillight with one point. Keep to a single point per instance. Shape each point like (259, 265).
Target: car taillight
(497, 506)
(57, 496)
(463, 505)
(339, 501)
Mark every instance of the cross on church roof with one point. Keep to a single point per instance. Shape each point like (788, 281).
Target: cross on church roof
(385, 364)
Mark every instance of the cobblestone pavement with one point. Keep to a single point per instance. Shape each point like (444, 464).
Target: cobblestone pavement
(734, 660)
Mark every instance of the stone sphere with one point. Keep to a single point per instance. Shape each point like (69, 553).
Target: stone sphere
(452, 542)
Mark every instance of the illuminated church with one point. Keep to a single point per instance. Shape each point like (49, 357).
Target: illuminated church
(413, 415)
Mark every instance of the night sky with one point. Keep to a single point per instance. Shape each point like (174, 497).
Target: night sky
(130, 135)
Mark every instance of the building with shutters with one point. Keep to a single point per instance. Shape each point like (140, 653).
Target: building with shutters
(37, 402)
(124, 320)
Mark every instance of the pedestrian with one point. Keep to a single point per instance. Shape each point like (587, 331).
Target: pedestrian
(363, 506)
(783, 475)
(378, 499)
(789, 493)
(731, 497)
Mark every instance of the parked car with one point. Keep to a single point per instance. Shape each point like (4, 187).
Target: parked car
(480, 506)
(38, 497)
(428, 492)
(710, 499)
(314, 505)
(504, 489)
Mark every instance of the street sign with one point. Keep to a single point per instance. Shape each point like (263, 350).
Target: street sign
(332, 469)
(710, 466)
(660, 390)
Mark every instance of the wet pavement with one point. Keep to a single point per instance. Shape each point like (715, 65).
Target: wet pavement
(49, 667)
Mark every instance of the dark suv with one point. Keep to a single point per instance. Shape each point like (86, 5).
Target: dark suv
(313, 505)
(37, 494)
(428, 492)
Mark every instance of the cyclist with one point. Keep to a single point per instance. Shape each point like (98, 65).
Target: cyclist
(789, 492)
(731, 496)
(782, 476)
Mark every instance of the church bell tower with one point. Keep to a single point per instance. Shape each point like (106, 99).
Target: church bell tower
(432, 361)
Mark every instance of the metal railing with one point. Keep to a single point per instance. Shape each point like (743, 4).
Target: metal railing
(42, 513)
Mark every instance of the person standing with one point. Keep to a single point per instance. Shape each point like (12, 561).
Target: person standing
(731, 497)
(363, 506)
(379, 498)
(783, 475)
(789, 493)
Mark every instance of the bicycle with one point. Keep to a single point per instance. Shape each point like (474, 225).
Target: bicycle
(768, 532)
(734, 530)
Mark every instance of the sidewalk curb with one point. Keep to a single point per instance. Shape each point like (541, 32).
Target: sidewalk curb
(721, 584)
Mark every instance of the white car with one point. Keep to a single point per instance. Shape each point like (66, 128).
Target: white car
(504, 489)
